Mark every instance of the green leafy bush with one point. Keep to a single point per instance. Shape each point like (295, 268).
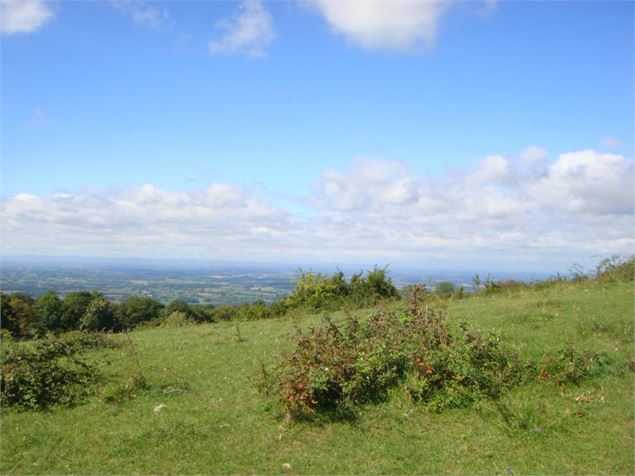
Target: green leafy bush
(40, 373)
(316, 291)
(176, 319)
(335, 368)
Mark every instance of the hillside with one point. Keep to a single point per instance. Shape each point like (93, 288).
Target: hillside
(215, 420)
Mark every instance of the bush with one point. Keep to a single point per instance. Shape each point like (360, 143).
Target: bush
(315, 291)
(176, 319)
(333, 369)
(37, 374)
(570, 366)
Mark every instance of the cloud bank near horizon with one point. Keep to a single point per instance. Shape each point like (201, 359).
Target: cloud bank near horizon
(522, 209)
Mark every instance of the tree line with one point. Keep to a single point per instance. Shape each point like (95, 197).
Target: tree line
(25, 316)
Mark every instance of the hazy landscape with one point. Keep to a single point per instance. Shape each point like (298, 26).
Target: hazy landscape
(204, 283)
(317, 237)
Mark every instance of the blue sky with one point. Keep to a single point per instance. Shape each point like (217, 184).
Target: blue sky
(102, 98)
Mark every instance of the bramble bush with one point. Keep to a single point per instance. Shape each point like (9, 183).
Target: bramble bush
(334, 368)
(47, 371)
(570, 366)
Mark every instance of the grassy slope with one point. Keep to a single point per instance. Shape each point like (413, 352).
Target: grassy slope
(221, 424)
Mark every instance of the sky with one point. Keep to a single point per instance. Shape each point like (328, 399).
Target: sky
(445, 134)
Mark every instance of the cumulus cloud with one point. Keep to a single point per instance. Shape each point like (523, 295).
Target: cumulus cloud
(494, 169)
(219, 220)
(579, 205)
(533, 156)
(374, 24)
(587, 182)
(23, 16)
(250, 32)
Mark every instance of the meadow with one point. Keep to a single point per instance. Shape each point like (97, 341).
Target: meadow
(187, 400)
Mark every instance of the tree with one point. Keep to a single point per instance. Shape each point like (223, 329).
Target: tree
(20, 314)
(48, 308)
(137, 309)
(74, 307)
(178, 305)
(99, 316)
(8, 319)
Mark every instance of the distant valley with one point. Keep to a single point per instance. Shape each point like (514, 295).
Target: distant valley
(195, 283)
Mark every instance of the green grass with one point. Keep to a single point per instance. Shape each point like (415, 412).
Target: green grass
(216, 421)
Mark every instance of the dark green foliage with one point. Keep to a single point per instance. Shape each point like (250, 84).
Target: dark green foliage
(333, 369)
(99, 316)
(74, 307)
(8, 320)
(40, 373)
(221, 313)
(25, 317)
(137, 309)
(18, 314)
(48, 308)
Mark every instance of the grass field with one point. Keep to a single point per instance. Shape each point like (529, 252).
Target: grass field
(214, 420)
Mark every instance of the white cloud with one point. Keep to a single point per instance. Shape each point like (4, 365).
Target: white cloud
(220, 220)
(23, 16)
(142, 12)
(376, 24)
(367, 181)
(250, 32)
(588, 182)
(533, 156)
(579, 206)
(494, 169)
